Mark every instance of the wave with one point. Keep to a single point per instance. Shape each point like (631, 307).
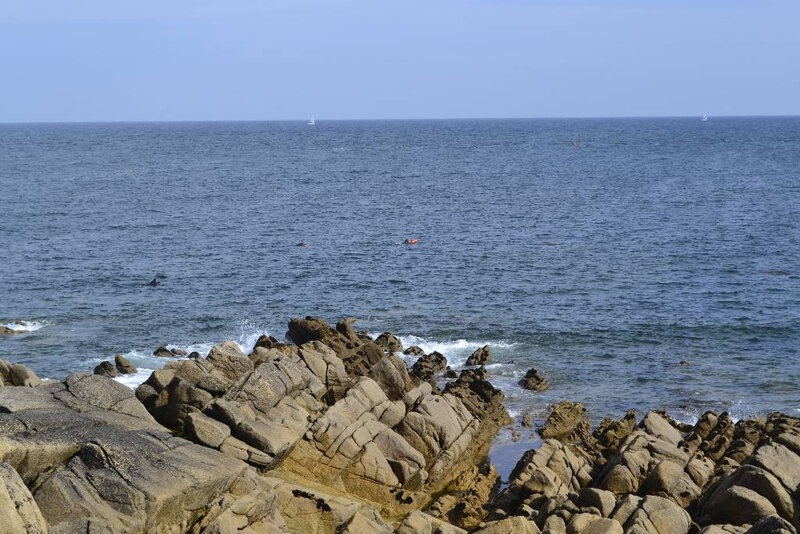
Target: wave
(26, 326)
(456, 351)
(146, 363)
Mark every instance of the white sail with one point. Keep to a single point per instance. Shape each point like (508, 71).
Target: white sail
(313, 121)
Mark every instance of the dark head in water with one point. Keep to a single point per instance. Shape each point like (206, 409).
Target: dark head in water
(411, 241)
(302, 244)
(154, 282)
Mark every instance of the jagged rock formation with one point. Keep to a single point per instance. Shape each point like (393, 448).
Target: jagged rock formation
(336, 434)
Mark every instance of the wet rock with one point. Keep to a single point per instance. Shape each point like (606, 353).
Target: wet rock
(5, 331)
(163, 352)
(449, 372)
(427, 367)
(106, 369)
(123, 365)
(414, 350)
(389, 342)
(534, 381)
(482, 356)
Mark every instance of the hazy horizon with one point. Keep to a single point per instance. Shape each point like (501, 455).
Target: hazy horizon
(456, 59)
(407, 119)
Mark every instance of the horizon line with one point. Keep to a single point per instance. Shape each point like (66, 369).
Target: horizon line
(305, 119)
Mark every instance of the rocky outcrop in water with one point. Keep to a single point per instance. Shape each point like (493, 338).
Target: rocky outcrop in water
(336, 434)
(482, 356)
(534, 381)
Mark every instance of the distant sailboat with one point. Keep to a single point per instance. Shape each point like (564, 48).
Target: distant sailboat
(313, 121)
(704, 119)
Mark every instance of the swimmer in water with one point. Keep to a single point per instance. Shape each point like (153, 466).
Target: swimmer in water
(411, 241)
(302, 244)
(154, 282)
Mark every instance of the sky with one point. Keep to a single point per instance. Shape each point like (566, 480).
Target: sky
(93, 60)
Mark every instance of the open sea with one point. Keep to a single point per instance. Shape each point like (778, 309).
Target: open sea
(601, 252)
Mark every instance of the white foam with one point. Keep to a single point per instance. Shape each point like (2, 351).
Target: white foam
(25, 326)
(146, 362)
(456, 351)
(134, 380)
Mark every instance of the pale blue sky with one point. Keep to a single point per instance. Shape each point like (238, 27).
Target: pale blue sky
(92, 60)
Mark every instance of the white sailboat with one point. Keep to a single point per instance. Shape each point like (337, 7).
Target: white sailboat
(313, 121)
(704, 119)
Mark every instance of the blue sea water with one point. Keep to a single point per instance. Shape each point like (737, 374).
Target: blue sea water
(602, 252)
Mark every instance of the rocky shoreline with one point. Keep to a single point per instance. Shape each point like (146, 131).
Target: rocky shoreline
(333, 432)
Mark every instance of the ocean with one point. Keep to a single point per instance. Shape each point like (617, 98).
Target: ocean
(602, 252)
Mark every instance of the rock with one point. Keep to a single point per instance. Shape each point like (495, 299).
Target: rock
(609, 434)
(772, 525)
(511, 525)
(655, 425)
(464, 503)
(414, 350)
(604, 501)
(18, 510)
(123, 365)
(106, 369)
(391, 374)
(194, 355)
(427, 367)
(163, 352)
(482, 356)
(389, 342)
(5, 331)
(527, 420)
(482, 399)
(737, 505)
(603, 526)
(449, 372)
(534, 381)
(205, 430)
(315, 329)
(567, 422)
(18, 375)
(422, 523)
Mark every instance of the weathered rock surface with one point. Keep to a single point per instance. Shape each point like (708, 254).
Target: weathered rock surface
(337, 435)
(481, 356)
(534, 381)
(428, 366)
